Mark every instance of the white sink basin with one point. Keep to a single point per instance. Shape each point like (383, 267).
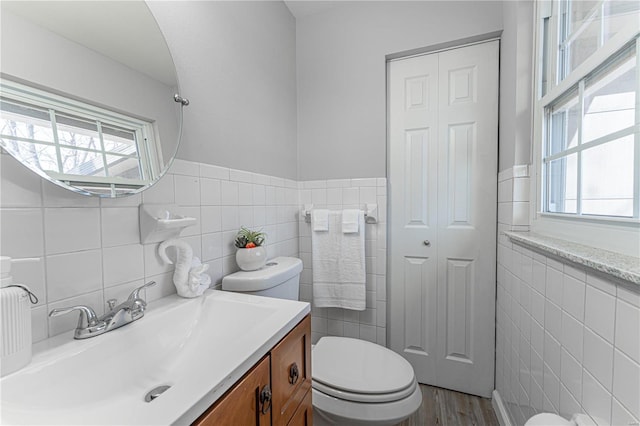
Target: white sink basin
(199, 347)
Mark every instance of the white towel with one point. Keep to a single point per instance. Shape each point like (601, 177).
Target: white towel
(338, 260)
(350, 219)
(320, 219)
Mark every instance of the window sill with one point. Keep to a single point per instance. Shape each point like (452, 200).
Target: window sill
(617, 265)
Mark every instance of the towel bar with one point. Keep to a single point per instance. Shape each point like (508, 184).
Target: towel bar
(370, 214)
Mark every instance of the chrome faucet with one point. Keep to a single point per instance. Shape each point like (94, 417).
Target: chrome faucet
(90, 325)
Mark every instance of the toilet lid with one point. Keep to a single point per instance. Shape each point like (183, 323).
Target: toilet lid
(358, 370)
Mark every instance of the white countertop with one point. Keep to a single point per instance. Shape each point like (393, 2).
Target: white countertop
(617, 265)
(200, 347)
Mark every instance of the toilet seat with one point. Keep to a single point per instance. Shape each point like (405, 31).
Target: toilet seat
(360, 371)
(357, 397)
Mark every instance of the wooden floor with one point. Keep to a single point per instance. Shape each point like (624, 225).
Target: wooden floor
(450, 408)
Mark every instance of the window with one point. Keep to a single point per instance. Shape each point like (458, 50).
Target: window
(587, 123)
(589, 153)
(75, 142)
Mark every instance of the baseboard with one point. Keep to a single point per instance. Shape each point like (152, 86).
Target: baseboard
(500, 409)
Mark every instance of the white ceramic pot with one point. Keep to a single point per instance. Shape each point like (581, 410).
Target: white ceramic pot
(250, 259)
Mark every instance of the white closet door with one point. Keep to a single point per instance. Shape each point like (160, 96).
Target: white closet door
(443, 192)
(413, 187)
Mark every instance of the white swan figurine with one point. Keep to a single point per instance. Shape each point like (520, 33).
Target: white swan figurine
(188, 277)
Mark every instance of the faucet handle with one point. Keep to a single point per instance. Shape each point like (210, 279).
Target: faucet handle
(135, 294)
(111, 303)
(89, 314)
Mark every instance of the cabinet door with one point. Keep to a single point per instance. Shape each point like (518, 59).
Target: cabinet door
(304, 414)
(241, 405)
(291, 372)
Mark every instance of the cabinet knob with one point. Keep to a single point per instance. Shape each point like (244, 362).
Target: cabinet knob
(265, 399)
(427, 243)
(294, 373)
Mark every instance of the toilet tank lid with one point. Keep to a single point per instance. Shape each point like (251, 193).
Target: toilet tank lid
(276, 271)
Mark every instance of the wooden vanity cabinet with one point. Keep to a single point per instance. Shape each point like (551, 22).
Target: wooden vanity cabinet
(276, 391)
(241, 404)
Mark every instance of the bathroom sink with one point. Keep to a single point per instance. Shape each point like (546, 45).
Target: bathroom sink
(199, 347)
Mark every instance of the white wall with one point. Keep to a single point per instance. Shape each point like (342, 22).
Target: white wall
(342, 75)
(516, 54)
(236, 64)
(566, 336)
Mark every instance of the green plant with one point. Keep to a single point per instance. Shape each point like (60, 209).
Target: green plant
(246, 238)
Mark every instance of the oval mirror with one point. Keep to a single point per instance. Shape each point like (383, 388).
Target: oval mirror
(87, 94)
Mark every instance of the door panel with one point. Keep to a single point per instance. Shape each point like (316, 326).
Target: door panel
(443, 199)
(415, 221)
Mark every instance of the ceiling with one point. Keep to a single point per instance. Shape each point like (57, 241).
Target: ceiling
(301, 8)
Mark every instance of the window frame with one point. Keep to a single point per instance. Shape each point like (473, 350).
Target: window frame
(613, 233)
(146, 143)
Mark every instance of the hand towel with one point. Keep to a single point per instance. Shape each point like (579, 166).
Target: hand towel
(350, 218)
(320, 219)
(338, 262)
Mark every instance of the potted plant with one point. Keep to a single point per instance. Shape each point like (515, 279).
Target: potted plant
(251, 254)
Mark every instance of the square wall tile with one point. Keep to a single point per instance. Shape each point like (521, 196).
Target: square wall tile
(600, 313)
(123, 264)
(21, 233)
(163, 191)
(211, 246)
(211, 219)
(39, 324)
(626, 382)
(71, 229)
(71, 274)
(210, 192)
(573, 296)
(627, 330)
(187, 190)
(621, 416)
(521, 189)
(120, 226)
(571, 375)
(31, 274)
(598, 358)
(572, 335)
(245, 194)
(554, 285)
(229, 195)
(596, 399)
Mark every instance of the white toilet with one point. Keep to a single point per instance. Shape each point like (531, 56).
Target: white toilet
(354, 382)
(550, 419)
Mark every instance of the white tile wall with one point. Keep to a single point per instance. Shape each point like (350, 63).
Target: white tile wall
(90, 248)
(340, 194)
(577, 350)
(513, 199)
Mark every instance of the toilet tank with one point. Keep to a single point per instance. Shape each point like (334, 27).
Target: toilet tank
(279, 278)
